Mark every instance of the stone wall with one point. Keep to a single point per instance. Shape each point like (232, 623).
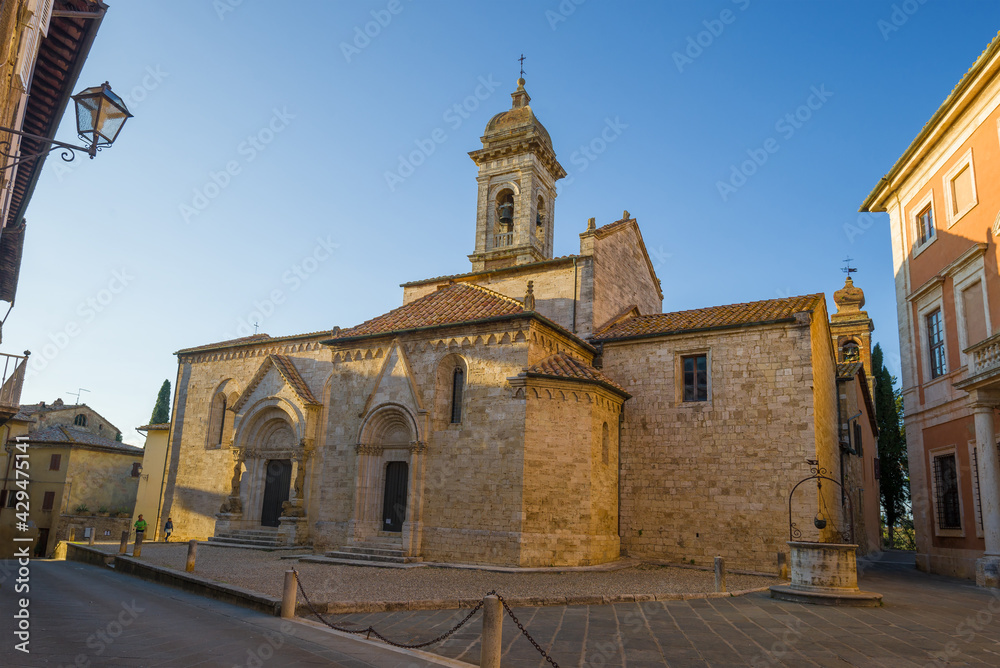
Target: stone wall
(199, 475)
(702, 479)
(554, 286)
(622, 276)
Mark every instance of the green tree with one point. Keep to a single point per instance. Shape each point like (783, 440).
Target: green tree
(894, 485)
(161, 411)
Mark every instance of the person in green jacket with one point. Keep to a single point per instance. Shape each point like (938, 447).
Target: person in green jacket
(140, 528)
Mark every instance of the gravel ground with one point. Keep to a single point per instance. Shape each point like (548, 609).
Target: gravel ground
(264, 572)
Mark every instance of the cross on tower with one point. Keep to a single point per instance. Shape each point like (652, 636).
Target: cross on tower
(847, 268)
(255, 329)
(522, 65)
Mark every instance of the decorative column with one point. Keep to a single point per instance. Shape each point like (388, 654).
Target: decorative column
(413, 524)
(988, 566)
(231, 512)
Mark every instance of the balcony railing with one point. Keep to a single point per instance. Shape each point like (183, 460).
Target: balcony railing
(503, 240)
(11, 382)
(984, 356)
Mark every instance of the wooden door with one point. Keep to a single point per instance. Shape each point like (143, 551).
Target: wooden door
(394, 501)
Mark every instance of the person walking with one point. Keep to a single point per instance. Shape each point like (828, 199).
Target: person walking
(168, 529)
(140, 528)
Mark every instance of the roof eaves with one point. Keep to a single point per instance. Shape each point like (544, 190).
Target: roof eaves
(575, 379)
(694, 330)
(946, 106)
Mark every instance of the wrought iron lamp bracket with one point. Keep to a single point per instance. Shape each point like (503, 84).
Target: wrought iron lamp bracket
(819, 474)
(68, 150)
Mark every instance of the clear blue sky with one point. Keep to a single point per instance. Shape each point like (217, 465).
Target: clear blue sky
(139, 252)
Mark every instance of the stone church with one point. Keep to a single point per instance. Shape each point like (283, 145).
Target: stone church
(535, 411)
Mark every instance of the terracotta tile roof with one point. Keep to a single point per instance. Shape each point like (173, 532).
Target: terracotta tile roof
(163, 426)
(77, 436)
(452, 304)
(563, 365)
(286, 367)
(611, 228)
(848, 369)
(715, 317)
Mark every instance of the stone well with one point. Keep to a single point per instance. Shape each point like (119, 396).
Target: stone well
(824, 574)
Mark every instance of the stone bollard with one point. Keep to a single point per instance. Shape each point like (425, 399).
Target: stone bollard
(720, 574)
(137, 547)
(192, 553)
(124, 546)
(489, 656)
(93, 534)
(288, 596)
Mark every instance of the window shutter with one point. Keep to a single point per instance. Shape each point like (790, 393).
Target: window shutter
(26, 59)
(43, 10)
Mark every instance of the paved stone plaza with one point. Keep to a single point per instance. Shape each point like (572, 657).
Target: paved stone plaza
(927, 620)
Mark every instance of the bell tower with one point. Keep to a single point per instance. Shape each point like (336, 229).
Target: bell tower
(851, 328)
(517, 178)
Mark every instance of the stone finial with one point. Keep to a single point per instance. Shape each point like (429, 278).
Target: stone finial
(625, 215)
(529, 297)
(591, 224)
(849, 299)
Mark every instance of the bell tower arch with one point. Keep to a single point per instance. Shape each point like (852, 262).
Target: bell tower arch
(517, 178)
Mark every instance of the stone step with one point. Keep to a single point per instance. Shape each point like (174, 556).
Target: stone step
(356, 556)
(371, 549)
(356, 562)
(244, 541)
(250, 532)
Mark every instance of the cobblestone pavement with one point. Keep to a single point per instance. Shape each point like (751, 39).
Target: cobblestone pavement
(89, 617)
(926, 621)
(264, 572)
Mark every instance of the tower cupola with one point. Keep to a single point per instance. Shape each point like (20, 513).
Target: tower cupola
(517, 178)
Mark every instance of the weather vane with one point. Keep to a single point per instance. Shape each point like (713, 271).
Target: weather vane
(847, 268)
(522, 65)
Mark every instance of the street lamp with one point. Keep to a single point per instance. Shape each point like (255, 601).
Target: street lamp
(100, 116)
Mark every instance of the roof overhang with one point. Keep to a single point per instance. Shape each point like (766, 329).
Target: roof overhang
(979, 75)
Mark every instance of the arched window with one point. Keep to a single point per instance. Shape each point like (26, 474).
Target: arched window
(605, 444)
(503, 230)
(457, 383)
(850, 352)
(540, 218)
(80, 420)
(216, 420)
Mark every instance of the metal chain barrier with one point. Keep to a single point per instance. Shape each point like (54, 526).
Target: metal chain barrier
(525, 631)
(370, 631)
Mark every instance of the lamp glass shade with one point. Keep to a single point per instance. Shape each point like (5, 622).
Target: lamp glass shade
(100, 115)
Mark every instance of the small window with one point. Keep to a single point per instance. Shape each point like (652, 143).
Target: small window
(925, 225)
(54, 462)
(48, 500)
(11, 499)
(858, 449)
(975, 313)
(961, 191)
(136, 469)
(695, 368)
(457, 381)
(80, 420)
(935, 343)
(946, 492)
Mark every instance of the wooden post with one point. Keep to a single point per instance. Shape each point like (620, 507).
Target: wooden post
(489, 656)
(782, 566)
(192, 553)
(93, 534)
(124, 546)
(288, 596)
(137, 547)
(720, 574)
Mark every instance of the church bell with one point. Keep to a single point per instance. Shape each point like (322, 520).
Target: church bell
(507, 213)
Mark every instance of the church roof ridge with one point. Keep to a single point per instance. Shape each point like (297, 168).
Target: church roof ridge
(453, 304)
(727, 316)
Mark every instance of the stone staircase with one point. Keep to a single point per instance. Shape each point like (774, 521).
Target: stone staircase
(381, 552)
(261, 538)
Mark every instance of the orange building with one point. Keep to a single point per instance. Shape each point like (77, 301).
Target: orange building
(943, 202)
